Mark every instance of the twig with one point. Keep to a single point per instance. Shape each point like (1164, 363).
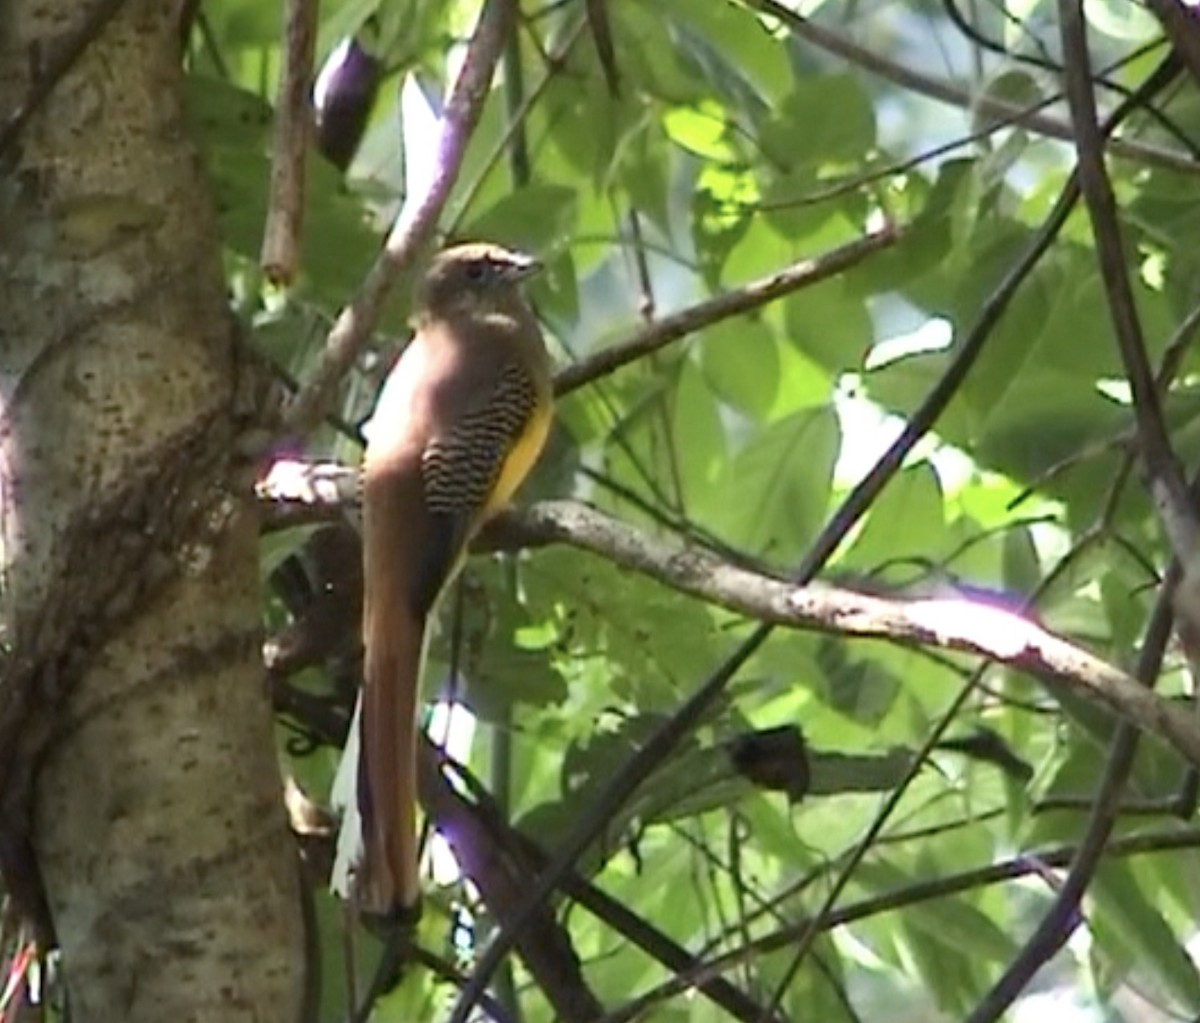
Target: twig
(1045, 63)
(1066, 201)
(516, 119)
(1060, 921)
(448, 972)
(417, 220)
(956, 624)
(500, 871)
(952, 624)
(947, 92)
(659, 333)
(283, 231)
(854, 182)
(51, 73)
(1033, 862)
(603, 906)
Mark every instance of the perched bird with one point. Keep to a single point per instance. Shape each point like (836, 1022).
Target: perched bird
(459, 423)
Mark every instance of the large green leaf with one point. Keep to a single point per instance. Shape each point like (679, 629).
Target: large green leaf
(773, 494)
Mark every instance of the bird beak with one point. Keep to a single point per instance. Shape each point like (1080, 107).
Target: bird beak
(521, 267)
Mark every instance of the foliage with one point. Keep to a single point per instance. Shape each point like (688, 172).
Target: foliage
(733, 149)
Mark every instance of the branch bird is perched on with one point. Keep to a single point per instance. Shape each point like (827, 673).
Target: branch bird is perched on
(459, 423)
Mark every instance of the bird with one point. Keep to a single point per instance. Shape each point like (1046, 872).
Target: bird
(460, 421)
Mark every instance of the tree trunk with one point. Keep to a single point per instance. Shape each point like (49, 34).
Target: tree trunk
(136, 748)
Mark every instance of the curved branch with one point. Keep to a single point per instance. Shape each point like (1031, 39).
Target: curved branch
(969, 626)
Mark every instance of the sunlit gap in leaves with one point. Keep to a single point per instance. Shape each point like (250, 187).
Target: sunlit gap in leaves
(869, 430)
(1066, 1004)
(451, 728)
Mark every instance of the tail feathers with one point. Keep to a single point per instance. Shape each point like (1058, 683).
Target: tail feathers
(388, 879)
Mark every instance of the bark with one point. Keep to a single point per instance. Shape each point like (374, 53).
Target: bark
(136, 748)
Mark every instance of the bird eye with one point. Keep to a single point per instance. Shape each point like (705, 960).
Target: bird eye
(477, 271)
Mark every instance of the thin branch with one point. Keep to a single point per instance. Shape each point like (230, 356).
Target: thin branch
(854, 182)
(1167, 485)
(447, 972)
(954, 95)
(441, 798)
(969, 626)
(1065, 203)
(1033, 862)
(94, 21)
(516, 119)
(501, 872)
(283, 231)
(659, 333)
(417, 221)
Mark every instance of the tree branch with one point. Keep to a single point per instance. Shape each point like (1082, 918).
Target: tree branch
(968, 626)
(974, 627)
(946, 92)
(293, 129)
(659, 333)
(1061, 919)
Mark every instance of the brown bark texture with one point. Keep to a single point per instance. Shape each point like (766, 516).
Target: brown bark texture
(136, 746)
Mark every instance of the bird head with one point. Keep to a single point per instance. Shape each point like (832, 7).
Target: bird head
(475, 278)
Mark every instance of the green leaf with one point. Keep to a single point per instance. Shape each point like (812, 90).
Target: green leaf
(740, 361)
(781, 480)
(531, 218)
(1127, 923)
(905, 523)
(697, 433)
(830, 325)
(700, 130)
(827, 119)
(739, 45)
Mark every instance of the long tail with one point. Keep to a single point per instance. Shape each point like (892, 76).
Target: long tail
(388, 878)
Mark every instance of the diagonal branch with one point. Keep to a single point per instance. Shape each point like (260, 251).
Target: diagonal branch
(1033, 862)
(659, 333)
(1061, 919)
(501, 873)
(939, 89)
(417, 221)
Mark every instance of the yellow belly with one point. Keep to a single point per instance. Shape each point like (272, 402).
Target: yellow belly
(520, 460)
